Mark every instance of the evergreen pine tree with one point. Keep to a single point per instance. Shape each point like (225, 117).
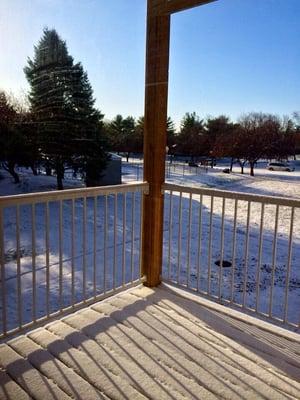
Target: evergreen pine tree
(61, 98)
(115, 133)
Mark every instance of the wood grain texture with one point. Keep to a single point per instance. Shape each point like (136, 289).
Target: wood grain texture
(156, 99)
(167, 7)
(160, 344)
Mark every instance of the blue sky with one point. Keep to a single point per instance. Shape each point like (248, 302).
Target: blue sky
(227, 57)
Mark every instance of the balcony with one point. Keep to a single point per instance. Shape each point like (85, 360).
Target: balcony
(151, 343)
(221, 268)
(78, 323)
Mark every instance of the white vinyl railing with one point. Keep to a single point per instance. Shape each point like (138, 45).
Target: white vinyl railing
(236, 248)
(62, 250)
(65, 249)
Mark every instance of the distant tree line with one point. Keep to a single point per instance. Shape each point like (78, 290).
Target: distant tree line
(256, 136)
(125, 135)
(252, 137)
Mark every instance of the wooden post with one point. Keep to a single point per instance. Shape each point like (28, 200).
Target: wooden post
(156, 99)
(155, 127)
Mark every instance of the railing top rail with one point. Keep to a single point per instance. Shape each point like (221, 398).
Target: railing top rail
(282, 201)
(68, 194)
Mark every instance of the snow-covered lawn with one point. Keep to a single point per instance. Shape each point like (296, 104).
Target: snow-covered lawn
(126, 259)
(105, 241)
(245, 274)
(250, 265)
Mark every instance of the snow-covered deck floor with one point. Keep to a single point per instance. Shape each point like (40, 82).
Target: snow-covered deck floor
(155, 344)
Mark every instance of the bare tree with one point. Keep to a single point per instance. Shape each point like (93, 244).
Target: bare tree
(257, 135)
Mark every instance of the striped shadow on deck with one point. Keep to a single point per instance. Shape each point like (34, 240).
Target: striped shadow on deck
(151, 343)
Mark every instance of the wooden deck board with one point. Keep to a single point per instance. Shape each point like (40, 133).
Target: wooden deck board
(10, 390)
(151, 343)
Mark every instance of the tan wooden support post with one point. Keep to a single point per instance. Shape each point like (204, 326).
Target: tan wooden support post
(156, 99)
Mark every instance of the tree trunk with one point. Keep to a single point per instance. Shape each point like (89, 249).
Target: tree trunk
(59, 175)
(33, 169)
(251, 168)
(48, 168)
(242, 166)
(59, 179)
(127, 157)
(11, 170)
(231, 164)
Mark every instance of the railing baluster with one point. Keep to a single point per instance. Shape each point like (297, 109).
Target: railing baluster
(124, 240)
(95, 248)
(3, 278)
(141, 233)
(73, 252)
(170, 232)
(246, 254)
(115, 240)
(210, 244)
(199, 242)
(189, 241)
(274, 256)
(179, 238)
(47, 259)
(222, 250)
(288, 267)
(105, 245)
(60, 239)
(19, 283)
(132, 234)
(84, 250)
(259, 256)
(33, 256)
(233, 249)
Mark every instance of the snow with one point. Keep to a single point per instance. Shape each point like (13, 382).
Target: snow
(184, 259)
(152, 344)
(108, 246)
(123, 263)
